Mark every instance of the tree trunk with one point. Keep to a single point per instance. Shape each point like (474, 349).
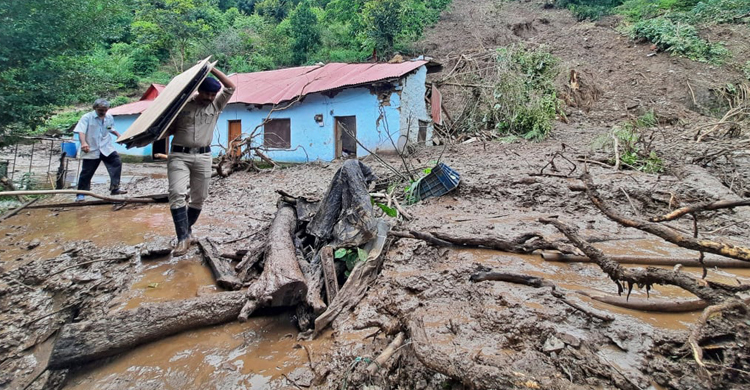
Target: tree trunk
(282, 282)
(225, 276)
(83, 342)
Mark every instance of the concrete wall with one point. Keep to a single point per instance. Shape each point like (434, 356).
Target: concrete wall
(311, 140)
(413, 107)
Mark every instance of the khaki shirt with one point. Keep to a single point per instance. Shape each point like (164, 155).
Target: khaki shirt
(194, 125)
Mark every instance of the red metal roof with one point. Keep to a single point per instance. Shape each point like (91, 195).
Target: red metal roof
(276, 86)
(138, 107)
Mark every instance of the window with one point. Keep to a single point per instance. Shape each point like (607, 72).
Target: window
(277, 134)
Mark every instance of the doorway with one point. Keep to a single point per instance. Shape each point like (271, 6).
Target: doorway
(346, 136)
(235, 132)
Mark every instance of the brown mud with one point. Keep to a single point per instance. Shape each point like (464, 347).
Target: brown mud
(513, 336)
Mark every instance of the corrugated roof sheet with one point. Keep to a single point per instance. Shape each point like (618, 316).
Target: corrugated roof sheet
(138, 107)
(277, 86)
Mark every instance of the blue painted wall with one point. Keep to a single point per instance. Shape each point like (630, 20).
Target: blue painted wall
(311, 140)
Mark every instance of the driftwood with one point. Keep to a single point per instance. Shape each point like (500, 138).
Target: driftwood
(710, 292)
(314, 275)
(282, 282)
(706, 206)
(648, 260)
(359, 280)
(329, 273)
(719, 248)
(387, 353)
(523, 244)
(250, 258)
(537, 282)
(17, 209)
(655, 305)
(223, 273)
(83, 342)
(78, 192)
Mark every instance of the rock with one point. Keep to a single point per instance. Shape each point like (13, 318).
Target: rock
(33, 244)
(553, 344)
(571, 340)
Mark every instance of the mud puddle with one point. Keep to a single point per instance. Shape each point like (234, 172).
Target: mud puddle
(42, 233)
(254, 355)
(589, 278)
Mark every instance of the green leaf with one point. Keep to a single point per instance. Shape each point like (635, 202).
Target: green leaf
(427, 171)
(361, 254)
(341, 252)
(391, 212)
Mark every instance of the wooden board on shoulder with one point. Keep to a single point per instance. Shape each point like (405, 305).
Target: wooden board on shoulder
(153, 123)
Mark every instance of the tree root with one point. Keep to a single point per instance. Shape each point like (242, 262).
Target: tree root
(695, 333)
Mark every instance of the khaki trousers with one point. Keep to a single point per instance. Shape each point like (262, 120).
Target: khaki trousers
(185, 169)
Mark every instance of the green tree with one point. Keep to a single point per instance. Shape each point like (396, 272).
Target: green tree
(42, 53)
(382, 20)
(305, 33)
(175, 26)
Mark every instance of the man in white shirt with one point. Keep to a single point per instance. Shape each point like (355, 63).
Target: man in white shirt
(94, 131)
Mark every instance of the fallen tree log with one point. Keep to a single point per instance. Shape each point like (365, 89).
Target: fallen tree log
(251, 256)
(655, 305)
(718, 248)
(77, 192)
(282, 282)
(83, 342)
(17, 209)
(359, 280)
(647, 260)
(329, 273)
(711, 292)
(221, 269)
(706, 206)
(314, 275)
(523, 244)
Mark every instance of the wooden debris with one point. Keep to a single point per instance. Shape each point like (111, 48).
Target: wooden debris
(225, 276)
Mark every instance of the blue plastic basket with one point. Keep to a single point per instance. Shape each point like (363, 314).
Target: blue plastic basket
(70, 149)
(441, 180)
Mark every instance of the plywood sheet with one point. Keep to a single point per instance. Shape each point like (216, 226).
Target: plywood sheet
(153, 123)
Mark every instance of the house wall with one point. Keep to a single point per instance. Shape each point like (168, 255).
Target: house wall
(311, 140)
(413, 107)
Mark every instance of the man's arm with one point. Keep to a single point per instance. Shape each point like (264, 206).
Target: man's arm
(223, 97)
(81, 128)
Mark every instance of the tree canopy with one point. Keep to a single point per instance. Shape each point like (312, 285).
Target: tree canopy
(62, 52)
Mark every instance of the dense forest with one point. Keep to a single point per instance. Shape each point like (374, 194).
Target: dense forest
(62, 52)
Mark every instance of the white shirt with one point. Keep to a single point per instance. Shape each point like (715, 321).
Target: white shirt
(97, 133)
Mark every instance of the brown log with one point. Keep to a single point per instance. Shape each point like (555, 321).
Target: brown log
(536, 282)
(77, 192)
(329, 273)
(706, 206)
(355, 288)
(83, 342)
(719, 248)
(523, 244)
(282, 282)
(314, 276)
(655, 305)
(17, 209)
(387, 353)
(644, 277)
(264, 157)
(252, 255)
(648, 260)
(222, 270)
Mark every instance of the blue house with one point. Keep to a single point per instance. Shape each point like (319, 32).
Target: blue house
(319, 112)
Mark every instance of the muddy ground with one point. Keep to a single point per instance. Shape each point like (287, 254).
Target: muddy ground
(459, 332)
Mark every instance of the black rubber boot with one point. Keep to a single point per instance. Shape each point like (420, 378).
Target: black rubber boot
(180, 219)
(192, 216)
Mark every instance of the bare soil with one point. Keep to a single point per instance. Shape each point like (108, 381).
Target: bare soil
(460, 334)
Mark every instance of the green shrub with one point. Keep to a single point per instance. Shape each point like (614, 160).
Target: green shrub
(678, 38)
(589, 9)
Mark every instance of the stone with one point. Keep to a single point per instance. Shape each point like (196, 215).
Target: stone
(553, 344)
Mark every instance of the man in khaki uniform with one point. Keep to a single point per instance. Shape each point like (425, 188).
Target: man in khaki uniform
(189, 162)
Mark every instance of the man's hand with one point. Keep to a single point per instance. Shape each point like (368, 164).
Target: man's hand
(85, 148)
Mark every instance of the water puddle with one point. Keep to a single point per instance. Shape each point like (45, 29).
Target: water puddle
(100, 224)
(232, 356)
(588, 277)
